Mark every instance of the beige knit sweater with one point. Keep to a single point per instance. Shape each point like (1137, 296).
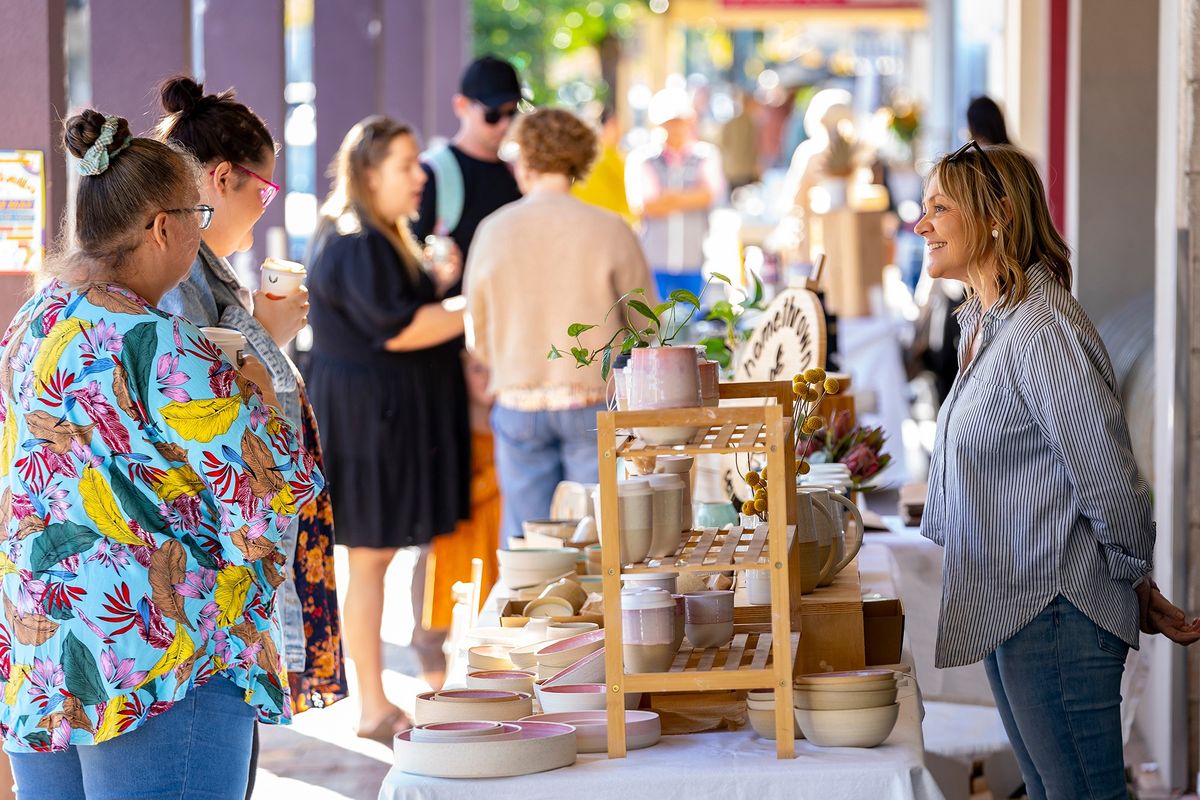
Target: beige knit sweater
(536, 266)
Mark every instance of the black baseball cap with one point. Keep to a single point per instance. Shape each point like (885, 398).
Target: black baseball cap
(491, 81)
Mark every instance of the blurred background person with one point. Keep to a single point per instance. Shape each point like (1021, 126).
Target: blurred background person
(520, 294)
(985, 121)
(604, 186)
(387, 384)
(739, 143)
(673, 184)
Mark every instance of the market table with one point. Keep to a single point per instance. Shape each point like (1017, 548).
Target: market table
(720, 765)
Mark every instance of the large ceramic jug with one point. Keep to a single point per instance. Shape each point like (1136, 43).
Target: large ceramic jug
(815, 561)
(843, 518)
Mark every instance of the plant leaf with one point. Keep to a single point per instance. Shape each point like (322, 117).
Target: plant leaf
(177, 482)
(252, 549)
(110, 300)
(52, 348)
(135, 504)
(645, 311)
(554, 353)
(120, 386)
(83, 677)
(181, 649)
(606, 364)
(233, 583)
(110, 722)
(168, 566)
(138, 349)
(58, 541)
(582, 356)
(721, 277)
(100, 505)
(202, 420)
(578, 328)
(684, 296)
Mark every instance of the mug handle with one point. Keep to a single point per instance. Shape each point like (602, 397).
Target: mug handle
(828, 569)
(858, 525)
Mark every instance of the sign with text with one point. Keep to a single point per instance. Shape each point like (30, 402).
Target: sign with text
(22, 210)
(789, 338)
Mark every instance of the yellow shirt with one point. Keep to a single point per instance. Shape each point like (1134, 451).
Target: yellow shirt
(604, 186)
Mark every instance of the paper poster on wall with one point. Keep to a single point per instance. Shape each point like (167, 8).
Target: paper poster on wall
(22, 210)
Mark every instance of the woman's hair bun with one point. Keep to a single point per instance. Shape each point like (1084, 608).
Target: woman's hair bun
(181, 94)
(83, 129)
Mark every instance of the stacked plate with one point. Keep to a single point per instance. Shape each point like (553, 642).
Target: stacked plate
(485, 749)
(462, 705)
(760, 706)
(847, 709)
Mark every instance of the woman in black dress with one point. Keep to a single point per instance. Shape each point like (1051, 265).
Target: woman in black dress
(386, 382)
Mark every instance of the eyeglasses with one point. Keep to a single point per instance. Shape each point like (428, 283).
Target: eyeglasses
(989, 168)
(266, 192)
(205, 212)
(492, 116)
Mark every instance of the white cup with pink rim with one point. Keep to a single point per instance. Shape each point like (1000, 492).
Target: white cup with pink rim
(281, 278)
(230, 342)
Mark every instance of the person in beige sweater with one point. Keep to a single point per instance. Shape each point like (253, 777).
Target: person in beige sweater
(536, 266)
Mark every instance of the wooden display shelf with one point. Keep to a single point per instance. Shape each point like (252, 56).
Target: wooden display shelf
(715, 550)
(765, 429)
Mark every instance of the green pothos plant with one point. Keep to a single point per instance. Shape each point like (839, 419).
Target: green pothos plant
(723, 348)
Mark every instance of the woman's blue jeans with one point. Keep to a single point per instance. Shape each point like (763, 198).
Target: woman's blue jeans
(1057, 684)
(534, 451)
(198, 749)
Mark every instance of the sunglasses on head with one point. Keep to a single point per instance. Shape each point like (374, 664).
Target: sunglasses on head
(266, 190)
(989, 168)
(492, 116)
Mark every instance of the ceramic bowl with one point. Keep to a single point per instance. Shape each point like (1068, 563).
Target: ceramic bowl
(573, 697)
(489, 656)
(763, 723)
(565, 652)
(760, 705)
(562, 630)
(503, 680)
(844, 688)
(524, 657)
(859, 727)
(767, 695)
(474, 696)
(430, 709)
(557, 529)
(467, 731)
(538, 747)
(531, 566)
(592, 584)
(842, 678)
(642, 728)
(713, 634)
(589, 669)
(841, 701)
(568, 590)
(495, 635)
(547, 607)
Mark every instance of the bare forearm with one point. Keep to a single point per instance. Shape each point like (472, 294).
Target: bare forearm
(674, 202)
(433, 324)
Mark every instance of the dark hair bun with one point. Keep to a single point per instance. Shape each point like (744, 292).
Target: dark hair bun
(181, 94)
(83, 129)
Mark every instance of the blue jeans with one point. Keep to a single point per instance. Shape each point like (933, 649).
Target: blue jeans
(534, 451)
(199, 749)
(1057, 684)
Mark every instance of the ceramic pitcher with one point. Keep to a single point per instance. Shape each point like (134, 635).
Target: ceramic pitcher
(813, 519)
(846, 527)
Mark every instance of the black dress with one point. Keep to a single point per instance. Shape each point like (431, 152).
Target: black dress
(394, 425)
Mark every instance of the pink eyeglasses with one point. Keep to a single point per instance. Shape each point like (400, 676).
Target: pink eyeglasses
(266, 192)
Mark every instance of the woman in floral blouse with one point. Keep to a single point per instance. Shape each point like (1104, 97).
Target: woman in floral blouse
(145, 481)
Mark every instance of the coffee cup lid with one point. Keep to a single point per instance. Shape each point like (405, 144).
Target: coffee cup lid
(282, 264)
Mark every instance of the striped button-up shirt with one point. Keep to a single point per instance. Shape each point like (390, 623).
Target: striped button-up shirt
(1033, 489)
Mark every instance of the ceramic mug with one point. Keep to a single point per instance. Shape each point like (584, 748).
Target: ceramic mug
(844, 552)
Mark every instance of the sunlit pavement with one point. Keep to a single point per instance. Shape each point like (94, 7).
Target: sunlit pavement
(319, 757)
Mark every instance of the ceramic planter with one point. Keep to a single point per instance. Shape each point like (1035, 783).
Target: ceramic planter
(661, 378)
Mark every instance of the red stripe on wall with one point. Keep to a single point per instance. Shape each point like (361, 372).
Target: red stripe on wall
(1056, 167)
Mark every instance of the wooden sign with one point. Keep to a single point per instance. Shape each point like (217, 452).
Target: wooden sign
(789, 338)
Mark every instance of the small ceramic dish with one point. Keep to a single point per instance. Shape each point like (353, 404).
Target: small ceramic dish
(508, 637)
(474, 696)
(642, 728)
(539, 746)
(507, 708)
(472, 731)
(524, 657)
(845, 688)
(859, 727)
(508, 680)
(489, 656)
(561, 630)
(565, 652)
(572, 697)
(546, 607)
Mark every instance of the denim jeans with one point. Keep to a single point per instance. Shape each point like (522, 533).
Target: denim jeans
(199, 749)
(1057, 684)
(534, 451)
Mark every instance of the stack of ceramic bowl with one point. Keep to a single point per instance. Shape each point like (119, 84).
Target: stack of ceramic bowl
(531, 567)
(835, 474)
(642, 728)
(458, 705)
(559, 697)
(485, 749)
(760, 706)
(847, 709)
(548, 533)
(483, 657)
(504, 680)
(554, 657)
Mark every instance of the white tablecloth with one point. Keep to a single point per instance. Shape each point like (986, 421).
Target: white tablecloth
(722, 766)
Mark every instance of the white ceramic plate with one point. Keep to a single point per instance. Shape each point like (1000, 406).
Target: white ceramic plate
(642, 728)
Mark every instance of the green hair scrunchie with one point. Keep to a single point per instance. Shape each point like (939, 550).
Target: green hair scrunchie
(97, 158)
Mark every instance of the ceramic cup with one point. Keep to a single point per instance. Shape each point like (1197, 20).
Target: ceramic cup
(668, 498)
(664, 377)
(677, 639)
(708, 618)
(681, 466)
(635, 514)
(281, 278)
(758, 587)
(647, 629)
(710, 379)
(646, 580)
(231, 343)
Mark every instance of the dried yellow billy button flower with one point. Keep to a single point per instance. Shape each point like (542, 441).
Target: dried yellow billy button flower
(832, 386)
(814, 375)
(748, 507)
(812, 425)
(802, 468)
(753, 478)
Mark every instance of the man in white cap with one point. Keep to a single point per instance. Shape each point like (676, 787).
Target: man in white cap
(673, 184)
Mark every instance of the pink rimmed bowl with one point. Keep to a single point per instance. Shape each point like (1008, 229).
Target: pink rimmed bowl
(538, 747)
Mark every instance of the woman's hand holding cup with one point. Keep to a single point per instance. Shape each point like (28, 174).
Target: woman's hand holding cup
(443, 261)
(283, 318)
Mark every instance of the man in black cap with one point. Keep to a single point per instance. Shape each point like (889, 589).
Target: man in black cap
(467, 179)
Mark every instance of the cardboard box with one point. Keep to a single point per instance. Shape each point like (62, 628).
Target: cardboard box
(883, 630)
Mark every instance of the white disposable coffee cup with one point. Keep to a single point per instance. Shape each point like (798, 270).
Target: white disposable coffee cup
(281, 278)
(228, 341)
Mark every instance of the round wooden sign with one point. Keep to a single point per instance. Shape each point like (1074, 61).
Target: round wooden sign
(789, 338)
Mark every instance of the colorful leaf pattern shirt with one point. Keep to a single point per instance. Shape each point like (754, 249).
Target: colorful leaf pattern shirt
(144, 486)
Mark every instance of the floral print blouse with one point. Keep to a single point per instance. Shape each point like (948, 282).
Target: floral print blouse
(144, 486)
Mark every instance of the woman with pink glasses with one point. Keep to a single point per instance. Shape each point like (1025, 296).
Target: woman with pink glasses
(237, 154)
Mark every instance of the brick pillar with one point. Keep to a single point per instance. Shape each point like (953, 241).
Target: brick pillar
(448, 39)
(135, 46)
(405, 63)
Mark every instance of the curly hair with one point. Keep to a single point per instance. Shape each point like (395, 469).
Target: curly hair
(555, 141)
